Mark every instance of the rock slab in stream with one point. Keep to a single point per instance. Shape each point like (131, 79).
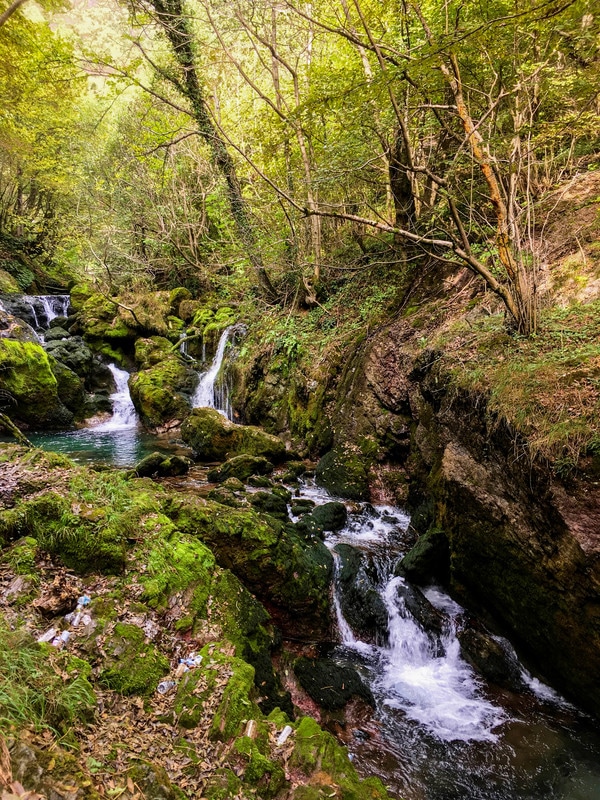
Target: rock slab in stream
(330, 685)
(214, 438)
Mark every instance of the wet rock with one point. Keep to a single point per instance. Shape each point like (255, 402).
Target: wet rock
(330, 516)
(269, 503)
(308, 527)
(12, 327)
(329, 684)
(73, 353)
(214, 438)
(361, 604)
(491, 657)
(428, 560)
(241, 467)
(433, 621)
(225, 496)
(60, 322)
(344, 472)
(69, 386)
(56, 334)
(234, 485)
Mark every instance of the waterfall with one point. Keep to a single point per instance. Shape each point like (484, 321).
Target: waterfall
(207, 395)
(124, 415)
(37, 310)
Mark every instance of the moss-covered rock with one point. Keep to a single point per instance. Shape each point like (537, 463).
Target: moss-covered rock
(161, 392)
(80, 294)
(100, 319)
(177, 296)
(151, 351)
(215, 438)
(131, 665)
(240, 467)
(8, 285)
(428, 560)
(291, 576)
(266, 776)
(26, 375)
(316, 753)
(344, 471)
(162, 465)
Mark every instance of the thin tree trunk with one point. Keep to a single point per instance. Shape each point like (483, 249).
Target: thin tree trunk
(174, 22)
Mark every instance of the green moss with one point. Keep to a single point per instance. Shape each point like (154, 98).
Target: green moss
(236, 704)
(22, 556)
(156, 391)
(259, 770)
(26, 375)
(178, 564)
(224, 784)
(177, 296)
(8, 285)
(100, 319)
(215, 438)
(80, 294)
(316, 751)
(132, 665)
(344, 471)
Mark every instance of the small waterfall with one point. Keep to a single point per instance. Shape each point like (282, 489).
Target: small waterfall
(209, 395)
(124, 415)
(37, 310)
(183, 345)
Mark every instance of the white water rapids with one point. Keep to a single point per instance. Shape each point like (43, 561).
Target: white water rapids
(124, 416)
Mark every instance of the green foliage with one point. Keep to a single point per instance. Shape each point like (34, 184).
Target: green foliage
(35, 689)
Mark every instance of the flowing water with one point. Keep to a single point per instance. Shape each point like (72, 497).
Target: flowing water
(37, 310)
(439, 730)
(119, 441)
(212, 390)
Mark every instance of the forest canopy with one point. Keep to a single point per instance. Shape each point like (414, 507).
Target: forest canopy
(273, 146)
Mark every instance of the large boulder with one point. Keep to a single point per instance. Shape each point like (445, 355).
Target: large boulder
(240, 467)
(215, 438)
(73, 353)
(12, 327)
(161, 392)
(330, 685)
(288, 575)
(27, 380)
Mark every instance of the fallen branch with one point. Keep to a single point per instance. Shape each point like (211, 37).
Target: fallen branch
(10, 426)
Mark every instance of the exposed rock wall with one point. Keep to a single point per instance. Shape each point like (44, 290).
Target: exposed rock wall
(524, 547)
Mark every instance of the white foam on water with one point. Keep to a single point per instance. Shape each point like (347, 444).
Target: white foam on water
(124, 416)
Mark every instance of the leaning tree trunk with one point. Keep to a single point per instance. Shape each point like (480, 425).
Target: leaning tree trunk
(175, 23)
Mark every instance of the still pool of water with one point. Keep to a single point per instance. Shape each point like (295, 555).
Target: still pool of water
(120, 448)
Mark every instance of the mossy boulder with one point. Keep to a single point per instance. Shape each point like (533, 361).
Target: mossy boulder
(8, 285)
(161, 392)
(240, 467)
(131, 664)
(269, 503)
(100, 319)
(428, 560)
(80, 294)
(151, 351)
(177, 296)
(215, 438)
(26, 375)
(162, 465)
(289, 575)
(330, 685)
(330, 516)
(344, 471)
(316, 753)
(259, 771)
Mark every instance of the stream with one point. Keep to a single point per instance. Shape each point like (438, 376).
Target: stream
(439, 730)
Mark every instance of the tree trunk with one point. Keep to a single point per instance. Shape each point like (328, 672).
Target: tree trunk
(175, 24)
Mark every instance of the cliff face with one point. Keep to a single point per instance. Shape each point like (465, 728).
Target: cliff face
(524, 546)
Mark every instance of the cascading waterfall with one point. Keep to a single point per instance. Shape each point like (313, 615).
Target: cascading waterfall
(124, 416)
(208, 393)
(439, 730)
(37, 310)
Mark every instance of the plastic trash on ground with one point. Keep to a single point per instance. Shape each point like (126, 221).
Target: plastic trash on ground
(164, 687)
(284, 735)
